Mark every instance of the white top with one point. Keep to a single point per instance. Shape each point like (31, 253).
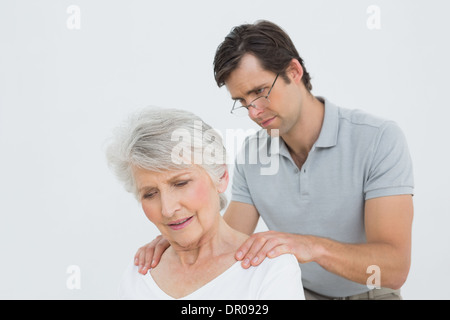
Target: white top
(274, 279)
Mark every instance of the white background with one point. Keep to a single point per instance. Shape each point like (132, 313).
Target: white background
(62, 91)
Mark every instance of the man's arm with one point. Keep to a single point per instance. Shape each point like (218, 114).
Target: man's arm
(242, 217)
(388, 223)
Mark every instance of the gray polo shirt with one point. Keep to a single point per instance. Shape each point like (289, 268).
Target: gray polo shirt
(356, 157)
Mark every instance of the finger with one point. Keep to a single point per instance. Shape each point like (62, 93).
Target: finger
(136, 257)
(243, 249)
(147, 258)
(278, 251)
(161, 246)
(145, 253)
(139, 257)
(270, 245)
(154, 252)
(252, 253)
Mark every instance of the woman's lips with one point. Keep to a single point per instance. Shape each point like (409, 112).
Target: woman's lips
(180, 224)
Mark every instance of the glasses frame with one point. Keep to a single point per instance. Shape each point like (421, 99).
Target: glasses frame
(251, 104)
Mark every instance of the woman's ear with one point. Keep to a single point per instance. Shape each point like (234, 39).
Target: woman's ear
(223, 181)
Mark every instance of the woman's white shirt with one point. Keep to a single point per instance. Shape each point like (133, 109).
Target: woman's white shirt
(274, 279)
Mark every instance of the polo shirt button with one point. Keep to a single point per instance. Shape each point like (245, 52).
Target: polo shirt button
(296, 170)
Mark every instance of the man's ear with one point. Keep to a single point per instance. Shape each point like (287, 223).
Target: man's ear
(295, 71)
(223, 181)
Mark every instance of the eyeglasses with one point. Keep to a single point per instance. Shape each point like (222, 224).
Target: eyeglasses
(259, 103)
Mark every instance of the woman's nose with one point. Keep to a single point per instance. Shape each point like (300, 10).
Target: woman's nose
(169, 205)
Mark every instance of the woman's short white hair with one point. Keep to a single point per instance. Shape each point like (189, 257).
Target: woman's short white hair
(158, 139)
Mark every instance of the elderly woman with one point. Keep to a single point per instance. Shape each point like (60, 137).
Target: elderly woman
(174, 163)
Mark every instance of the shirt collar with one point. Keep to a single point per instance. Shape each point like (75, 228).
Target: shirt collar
(330, 126)
(328, 134)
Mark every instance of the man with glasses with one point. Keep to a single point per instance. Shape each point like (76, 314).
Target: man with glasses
(341, 201)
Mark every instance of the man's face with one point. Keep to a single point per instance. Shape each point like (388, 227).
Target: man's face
(250, 80)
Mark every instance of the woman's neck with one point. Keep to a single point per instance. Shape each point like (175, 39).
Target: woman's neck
(181, 271)
(220, 241)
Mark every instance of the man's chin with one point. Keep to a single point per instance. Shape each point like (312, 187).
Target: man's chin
(273, 132)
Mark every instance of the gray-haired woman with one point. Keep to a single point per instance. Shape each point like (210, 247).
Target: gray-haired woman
(175, 164)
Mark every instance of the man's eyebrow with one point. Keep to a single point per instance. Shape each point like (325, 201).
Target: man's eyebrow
(250, 91)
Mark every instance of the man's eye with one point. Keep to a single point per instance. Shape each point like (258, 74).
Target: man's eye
(260, 91)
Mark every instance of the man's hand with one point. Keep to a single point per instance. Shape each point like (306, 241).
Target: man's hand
(388, 222)
(272, 244)
(149, 255)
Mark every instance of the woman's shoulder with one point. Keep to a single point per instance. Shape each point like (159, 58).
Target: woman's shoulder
(283, 265)
(283, 261)
(279, 278)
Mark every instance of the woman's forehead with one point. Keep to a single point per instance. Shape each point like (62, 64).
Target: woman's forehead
(166, 175)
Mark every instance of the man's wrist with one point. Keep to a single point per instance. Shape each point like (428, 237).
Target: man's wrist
(310, 249)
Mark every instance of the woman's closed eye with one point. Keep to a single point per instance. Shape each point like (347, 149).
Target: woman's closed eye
(180, 184)
(149, 195)
(153, 192)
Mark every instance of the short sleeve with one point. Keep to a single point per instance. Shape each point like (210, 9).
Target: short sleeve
(239, 189)
(391, 170)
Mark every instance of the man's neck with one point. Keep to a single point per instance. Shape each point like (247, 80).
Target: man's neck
(306, 131)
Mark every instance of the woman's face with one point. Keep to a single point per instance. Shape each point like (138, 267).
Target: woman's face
(183, 204)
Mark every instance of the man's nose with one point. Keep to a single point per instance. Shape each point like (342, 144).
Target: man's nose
(254, 112)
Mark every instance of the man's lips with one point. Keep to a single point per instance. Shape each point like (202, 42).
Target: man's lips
(180, 223)
(265, 123)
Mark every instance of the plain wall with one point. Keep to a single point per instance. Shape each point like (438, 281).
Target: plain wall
(64, 87)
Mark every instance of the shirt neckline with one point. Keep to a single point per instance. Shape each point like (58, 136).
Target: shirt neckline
(328, 133)
(148, 278)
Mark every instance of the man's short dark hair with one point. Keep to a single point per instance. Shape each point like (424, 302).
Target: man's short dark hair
(266, 41)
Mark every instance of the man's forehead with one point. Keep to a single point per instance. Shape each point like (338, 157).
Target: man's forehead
(248, 76)
(250, 61)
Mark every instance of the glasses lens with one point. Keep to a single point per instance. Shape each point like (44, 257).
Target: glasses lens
(260, 103)
(240, 111)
